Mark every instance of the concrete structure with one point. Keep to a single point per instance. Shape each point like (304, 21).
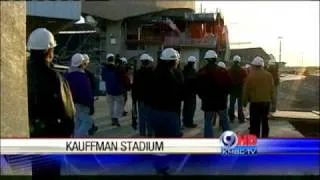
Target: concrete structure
(113, 19)
(14, 107)
(13, 84)
(53, 15)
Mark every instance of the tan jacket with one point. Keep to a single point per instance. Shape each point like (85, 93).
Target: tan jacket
(258, 87)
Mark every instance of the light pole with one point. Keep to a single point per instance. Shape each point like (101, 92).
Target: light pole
(280, 38)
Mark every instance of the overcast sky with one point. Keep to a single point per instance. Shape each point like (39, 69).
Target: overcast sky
(263, 22)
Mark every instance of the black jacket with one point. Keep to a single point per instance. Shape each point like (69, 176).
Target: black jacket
(50, 104)
(189, 74)
(213, 87)
(141, 87)
(92, 79)
(167, 89)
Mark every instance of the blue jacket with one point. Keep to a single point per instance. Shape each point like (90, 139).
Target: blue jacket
(112, 77)
(80, 87)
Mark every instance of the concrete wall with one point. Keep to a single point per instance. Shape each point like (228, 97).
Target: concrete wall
(119, 9)
(114, 30)
(67, 9)
(14, 107)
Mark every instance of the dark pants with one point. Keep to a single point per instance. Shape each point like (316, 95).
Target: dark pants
(45, 166)
(259, 118)
(233, 98)
(164, 125)
(145, 128)
(189, 107)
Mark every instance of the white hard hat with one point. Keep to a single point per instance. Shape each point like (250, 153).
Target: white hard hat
(86, 58)
(192, 59)
(124, 60)
(145, 57)
(76, 60)
(178, 54)
(169, 54)
(236, 58)
(210, 54)
(247, 66)
(222, 65)
(258, 61)
(41, 39)
(109, 55)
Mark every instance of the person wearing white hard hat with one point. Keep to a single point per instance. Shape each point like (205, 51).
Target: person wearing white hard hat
(274, 70)
(247, 68)
(190, 98)
(222, 65)
(238, 76)
(124, 69)
(212, 88)
(113, 78)
(50, 105)
(165, 107)
(142, 93)
(93, 84)
(82, 94)
(259, 90)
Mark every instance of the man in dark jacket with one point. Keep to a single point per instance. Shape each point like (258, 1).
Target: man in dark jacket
(165, 105)
(50, 104)
(141, 92)
(274, 70)
(124, 69)
(93, 84)
(212, 88)
(116, 82)
(238, 76)
(82, 95)
(190, 97)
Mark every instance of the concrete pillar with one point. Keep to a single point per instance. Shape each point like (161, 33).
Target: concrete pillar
(14, 107)
(114, 31)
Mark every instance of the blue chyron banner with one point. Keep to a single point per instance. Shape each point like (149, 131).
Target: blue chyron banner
(274, 157)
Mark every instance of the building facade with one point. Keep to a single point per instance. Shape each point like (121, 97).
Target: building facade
(53, 15)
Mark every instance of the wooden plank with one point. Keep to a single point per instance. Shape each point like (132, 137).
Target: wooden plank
(316, 112)
(295, 115)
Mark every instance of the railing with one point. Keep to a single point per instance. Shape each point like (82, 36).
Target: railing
(187, 41)
(181, 40)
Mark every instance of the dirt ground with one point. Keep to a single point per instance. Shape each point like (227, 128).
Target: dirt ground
(301, 95)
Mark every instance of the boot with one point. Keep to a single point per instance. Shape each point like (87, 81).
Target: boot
(115, 122)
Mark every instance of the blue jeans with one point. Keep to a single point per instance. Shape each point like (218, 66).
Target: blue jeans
(145, 128)
(165, 125)
(211, 116)
(233, 98)
(83, 121)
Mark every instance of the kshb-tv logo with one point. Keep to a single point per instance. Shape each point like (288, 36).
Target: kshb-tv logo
(235, 144)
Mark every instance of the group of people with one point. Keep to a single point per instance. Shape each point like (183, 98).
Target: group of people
(160, 90)
(62, 105)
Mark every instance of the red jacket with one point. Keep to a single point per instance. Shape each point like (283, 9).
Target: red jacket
(125, 78)
(213, 85)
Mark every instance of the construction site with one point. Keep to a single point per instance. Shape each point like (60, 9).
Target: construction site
(130, 28)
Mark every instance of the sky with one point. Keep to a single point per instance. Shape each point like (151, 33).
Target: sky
(262, 22)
